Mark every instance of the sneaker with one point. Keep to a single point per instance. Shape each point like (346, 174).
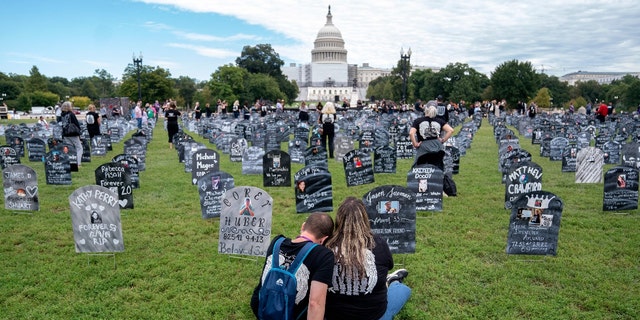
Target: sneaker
(397, 275)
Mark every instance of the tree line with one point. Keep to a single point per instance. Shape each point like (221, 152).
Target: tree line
(257, 75)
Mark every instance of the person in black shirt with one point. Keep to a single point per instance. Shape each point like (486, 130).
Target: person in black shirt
(172, 116)
(361, 287)
(313, 276)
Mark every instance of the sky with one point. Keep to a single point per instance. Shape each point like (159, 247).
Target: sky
(73, 38)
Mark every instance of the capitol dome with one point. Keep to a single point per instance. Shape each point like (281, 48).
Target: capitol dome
(329, 45)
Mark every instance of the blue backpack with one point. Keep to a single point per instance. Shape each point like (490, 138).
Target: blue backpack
(277, 295)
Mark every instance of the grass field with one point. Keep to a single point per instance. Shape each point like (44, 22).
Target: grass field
(170, 268)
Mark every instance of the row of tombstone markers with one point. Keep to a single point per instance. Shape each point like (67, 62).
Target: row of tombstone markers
(245, 212)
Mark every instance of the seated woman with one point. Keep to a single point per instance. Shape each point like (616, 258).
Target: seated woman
(361, 287)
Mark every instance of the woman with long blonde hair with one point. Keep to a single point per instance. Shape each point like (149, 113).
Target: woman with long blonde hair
(361, 287)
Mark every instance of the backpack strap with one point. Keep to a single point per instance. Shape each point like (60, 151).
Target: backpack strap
(275, 254)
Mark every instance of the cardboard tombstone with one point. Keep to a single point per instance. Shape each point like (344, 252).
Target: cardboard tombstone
(620, 189)
(313, 190)
(238, 146)
(57, 168)
(343, 144)
(99, 145)
(358, 168)
(115, 177)
(316, 156)
(95, 217)
(297, 148)
(534, 224)
(367, 141)
(211, 187)
(36, 149)
(384, 160)
(272, 141)
(404, 147)
(589, 162)
(569, 158)
(252, 160)
(556, 148)
(202, 162)
(276, 170)
(188, 155)
(611, 152)
(17, 143)
(131, 163)
(136, 147)
(630, 154)
(9, 156)
(524, 178)
(245, 222)
(20, 188)
(451, 160)
(392, 216)
(426, 181)
(86, 150)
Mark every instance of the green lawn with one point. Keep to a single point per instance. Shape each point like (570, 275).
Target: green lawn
(170, 268)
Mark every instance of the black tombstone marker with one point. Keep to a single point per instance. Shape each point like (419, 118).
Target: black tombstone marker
(611, 150)
(70, 151)
(358, 168)
(276, 169)
(392, 215)
(115, 177)
(569, 158)
(404, 147)
(131, 163)
(524, 178)
(452, 160)
(534, 224)
(57, 168)
(17, 143)
(36, 149)
(202, 162)
(138, 148)
(211, 188)
(313, 190)
(297, 148)
(384, 160)
(343, 144)
(620, 189)
(245, 222)
(190, 149)
(426, 181)
(316, 156)
(556, 148)
(630, 154)
(99, 145)
(95, 217)
(252, 160)
(20, 188)
(9, 156)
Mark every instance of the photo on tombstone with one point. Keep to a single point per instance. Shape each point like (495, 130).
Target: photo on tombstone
(245, 222)
(620, 189)
(392, 215)
(70, 151)
(276, 171)
(426, 181)
(211, 188)
(204, 161)
(534, 224)
(20, 188)
(95, 217)
(358, 168)
(115, 177)
(238, 146)
(313, 190)
(57, 168)
(569, 158)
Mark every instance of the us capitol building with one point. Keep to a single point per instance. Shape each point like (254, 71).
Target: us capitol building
(329, 77)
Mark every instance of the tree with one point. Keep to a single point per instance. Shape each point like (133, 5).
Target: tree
(590, 90)
(543, 98)
(41, 98)
(103, 81)
(260, 59)
(559, 90)
(229, 83)
(262, 86)
(37, 81)
(155, 84)
(514, 81)
(186, 89)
